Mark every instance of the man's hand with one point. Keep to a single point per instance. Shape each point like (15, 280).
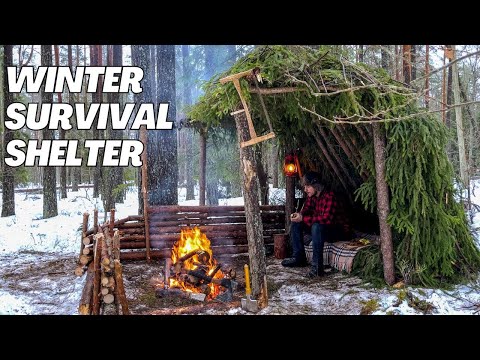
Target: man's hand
(296, 217)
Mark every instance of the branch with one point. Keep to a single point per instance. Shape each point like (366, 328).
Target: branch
(372, 119)
(446, 66)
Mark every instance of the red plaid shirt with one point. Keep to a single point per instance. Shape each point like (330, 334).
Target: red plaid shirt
(325, 209)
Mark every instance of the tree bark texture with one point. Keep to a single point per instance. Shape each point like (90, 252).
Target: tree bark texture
(383, 204)
(256, 248)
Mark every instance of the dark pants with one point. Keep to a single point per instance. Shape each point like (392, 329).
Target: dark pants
(320, 233)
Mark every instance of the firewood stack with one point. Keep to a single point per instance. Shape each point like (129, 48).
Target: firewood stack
(104, 281)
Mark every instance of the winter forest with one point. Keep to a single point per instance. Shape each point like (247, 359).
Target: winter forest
(334, 109)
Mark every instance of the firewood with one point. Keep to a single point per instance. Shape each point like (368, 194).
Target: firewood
(105, 291)
(79, 270)
(86, 251)
(108, 299)
(86, 240)
(106, 261)
(116, 245)
(85, 259)
(105, 281)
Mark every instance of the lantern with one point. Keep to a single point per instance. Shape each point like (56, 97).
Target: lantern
(290, 167)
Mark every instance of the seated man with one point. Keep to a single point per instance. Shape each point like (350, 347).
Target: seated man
(323, 215)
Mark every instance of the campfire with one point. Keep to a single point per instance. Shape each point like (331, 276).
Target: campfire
(193, 272)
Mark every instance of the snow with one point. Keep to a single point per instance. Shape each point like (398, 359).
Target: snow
(43, 253)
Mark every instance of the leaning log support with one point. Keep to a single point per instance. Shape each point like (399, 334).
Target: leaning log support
(383, 205)
(254, 225)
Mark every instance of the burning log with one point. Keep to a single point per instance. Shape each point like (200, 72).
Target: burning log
(163, 293)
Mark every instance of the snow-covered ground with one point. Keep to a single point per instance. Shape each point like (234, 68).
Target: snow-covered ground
(47, 249)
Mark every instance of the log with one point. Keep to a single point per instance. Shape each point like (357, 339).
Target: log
(138, 231)
(84, 231)
(85, 259)
(96, 280)
(140, 255)
(119, 288)
(207, 209)
(84, 307)
(108, 299)
(137, 224)
(116, 245)
(86, 251)
(221, 241)
(105, 291)
(86, 240)
(79, 270)
(112, 221)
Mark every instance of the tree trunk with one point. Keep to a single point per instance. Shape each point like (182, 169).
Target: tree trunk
(117, 57)
(383, 204)
(256, 247)
(8, 180)
(459, 121)
(61, 136)
(203, 166)
(407, 64)
(49, 179)
(141, 58)
(187, 100)
(75, 171)
(162, 149)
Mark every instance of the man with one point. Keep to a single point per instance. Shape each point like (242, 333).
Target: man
(322, 215)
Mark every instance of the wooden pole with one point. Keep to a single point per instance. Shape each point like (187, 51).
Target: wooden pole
(95, 221)
(112, 221)
(97, 274)
(143, 139)
(337, 158)
(84, 231)
(119, 288)
(330, 161)
(256, 247)
(383, 204)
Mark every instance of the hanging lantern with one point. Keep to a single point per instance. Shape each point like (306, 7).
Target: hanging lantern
(290, 167)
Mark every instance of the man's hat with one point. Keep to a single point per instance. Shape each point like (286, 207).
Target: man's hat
(311, 178)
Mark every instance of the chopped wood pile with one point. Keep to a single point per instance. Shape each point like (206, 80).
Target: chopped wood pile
(100, 257)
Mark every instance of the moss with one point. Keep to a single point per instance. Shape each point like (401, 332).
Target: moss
(369, 306)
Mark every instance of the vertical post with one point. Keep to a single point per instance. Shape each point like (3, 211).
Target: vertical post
(256, 246)
(383, 204)
(112, 220)
(84, 231)
(289, 201)
(95, 221)
(143, 139)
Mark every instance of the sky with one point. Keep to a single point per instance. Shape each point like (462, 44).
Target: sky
(38, 257)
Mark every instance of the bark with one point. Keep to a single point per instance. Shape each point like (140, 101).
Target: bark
(117, 176)
(256, 248)
(49, 179)
(61, 132)
(462, 157)
(203, 166)
(75, 171)
(383, 204)
(187, 100)
(8, 179)
(407, 64)
(85, 306)
(162, 149)
(120, 289)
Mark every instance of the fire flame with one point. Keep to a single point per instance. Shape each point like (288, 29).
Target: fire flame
(193, 252)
